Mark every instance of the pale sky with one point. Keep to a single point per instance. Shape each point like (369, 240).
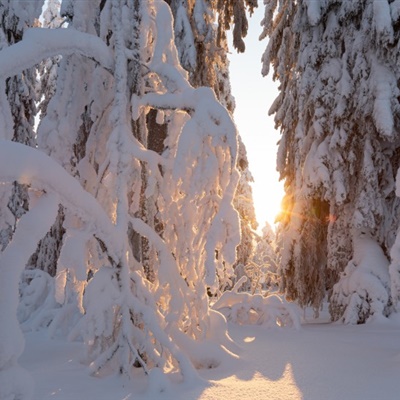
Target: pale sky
(254, 96)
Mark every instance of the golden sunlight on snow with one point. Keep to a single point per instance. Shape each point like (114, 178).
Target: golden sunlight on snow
(258, 387)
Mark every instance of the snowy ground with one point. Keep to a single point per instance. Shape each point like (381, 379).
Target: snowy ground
(322, 361)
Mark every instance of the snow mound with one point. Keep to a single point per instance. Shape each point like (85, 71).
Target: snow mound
(15, 383)
(363, 290)
(158, 382)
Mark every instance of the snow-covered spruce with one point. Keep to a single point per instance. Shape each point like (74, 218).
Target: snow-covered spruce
(243, 202)
(265, 261)
(363, 291)
(337, 63)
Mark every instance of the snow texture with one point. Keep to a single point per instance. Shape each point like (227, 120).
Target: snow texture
(363, 292)
(31, 51)
(320, 361)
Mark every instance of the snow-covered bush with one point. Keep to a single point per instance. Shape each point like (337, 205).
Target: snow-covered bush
(255, 274)
(363, 291)
(261, 265)
(45, 303)
(266, 255)
(36, 287)
(245, 308)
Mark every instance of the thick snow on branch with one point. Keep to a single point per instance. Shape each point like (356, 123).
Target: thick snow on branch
(165, 60)
(168, 273)
(203, 159)
(27, 165)
(184, 39)
(384, 83)
(313, 11)
(40, 44)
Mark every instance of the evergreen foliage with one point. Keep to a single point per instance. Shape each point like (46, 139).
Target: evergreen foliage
(338, 111)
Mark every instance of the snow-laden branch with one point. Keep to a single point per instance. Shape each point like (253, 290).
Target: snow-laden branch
(165, 60)
(30, 166)
(39, 44)
(214, 117)
(169, 270)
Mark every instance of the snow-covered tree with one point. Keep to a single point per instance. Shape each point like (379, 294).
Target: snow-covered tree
(338, 113)
(200, 36)
(266, 257)
(119, 62)
(244, 205)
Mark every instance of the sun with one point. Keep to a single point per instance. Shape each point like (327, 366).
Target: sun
(267, 197)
